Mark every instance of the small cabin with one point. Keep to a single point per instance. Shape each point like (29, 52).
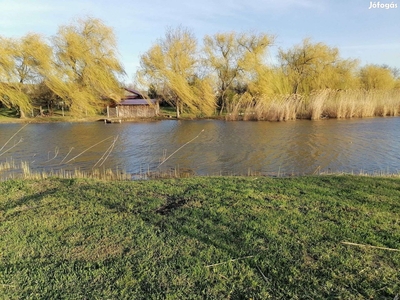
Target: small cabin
(134, 105)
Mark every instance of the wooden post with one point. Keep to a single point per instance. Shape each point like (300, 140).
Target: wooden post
(116, 110)
(108, 112)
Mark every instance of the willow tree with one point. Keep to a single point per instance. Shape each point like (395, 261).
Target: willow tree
(311, 66)
(171, 65)
(23, 62)
(232, 56)
(261, 80)
(86, 67)
(376, 77)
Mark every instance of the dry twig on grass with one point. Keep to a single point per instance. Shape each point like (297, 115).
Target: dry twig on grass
(231, 260)
(370, 246)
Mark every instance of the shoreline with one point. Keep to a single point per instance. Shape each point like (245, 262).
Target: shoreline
(39, 120)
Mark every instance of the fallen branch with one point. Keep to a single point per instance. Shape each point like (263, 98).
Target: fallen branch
(112, 148)
(15, 145)
(262, 274)
(88, 149)
(316, 170)
(55, 155)
(106, 153)
(180, 148)
(370, 246)
(225, 262)
(67, 155)
(13, 136)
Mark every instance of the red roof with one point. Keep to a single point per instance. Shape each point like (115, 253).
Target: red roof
(136, 94)
(138, 102)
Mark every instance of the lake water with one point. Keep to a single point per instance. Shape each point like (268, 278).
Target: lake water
(219, 147)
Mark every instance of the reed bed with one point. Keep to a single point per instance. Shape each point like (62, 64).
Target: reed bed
(11, 169)
(354, 104)
(7, 165)
(319, 105)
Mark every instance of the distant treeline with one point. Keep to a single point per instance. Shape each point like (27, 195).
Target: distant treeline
(227, 74)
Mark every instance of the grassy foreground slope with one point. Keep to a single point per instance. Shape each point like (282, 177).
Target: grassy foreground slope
(200, 238)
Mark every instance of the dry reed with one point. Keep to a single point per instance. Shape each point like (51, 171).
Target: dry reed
(353, 103)
(11, 169)
(319, 105)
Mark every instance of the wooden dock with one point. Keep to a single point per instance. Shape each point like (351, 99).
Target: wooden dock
(112, 120)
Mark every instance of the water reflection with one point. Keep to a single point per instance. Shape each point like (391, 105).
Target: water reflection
(297, 147)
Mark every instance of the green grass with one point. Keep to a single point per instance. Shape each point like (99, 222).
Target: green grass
(200, 238)
(9, 115)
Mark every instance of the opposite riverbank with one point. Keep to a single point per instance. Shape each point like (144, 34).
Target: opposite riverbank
(10, 116)
(324, 106)
(201, 237)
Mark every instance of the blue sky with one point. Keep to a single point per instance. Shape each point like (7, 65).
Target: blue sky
(370, 35)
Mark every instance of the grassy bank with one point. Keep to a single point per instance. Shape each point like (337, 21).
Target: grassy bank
(9, 115)
(200, 238)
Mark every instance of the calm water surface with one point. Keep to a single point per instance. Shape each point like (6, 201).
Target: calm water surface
(296, 147)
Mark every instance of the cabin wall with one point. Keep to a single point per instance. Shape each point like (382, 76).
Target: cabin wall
(133, 111)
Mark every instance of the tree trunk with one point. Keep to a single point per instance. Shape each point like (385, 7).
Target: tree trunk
(178, 108)
(296, 87)
(222, 108)
(21, 114)
(222, 100)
